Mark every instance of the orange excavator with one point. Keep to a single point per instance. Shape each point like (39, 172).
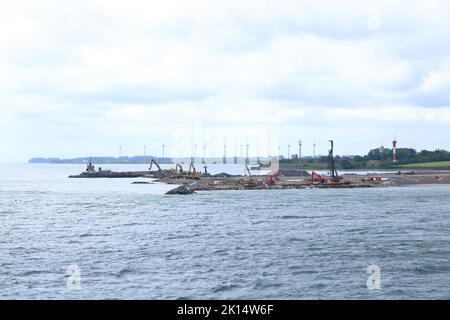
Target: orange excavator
(270, 179)
(317, 178)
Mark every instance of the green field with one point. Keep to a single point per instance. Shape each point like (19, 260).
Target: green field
(427, 165)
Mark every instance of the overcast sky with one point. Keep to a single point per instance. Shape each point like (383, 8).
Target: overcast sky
(81, 78)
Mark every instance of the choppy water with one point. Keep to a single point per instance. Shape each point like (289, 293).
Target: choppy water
(133, 242)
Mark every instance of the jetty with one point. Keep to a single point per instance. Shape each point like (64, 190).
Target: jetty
(189, 181)
(91, 172)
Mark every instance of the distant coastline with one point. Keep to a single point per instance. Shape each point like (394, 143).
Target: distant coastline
(379, 158)
(102, 160)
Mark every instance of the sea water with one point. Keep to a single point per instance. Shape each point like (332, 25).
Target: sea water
(110, 239)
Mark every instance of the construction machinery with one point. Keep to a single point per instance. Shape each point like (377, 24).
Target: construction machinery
(90, 167)
(334, 178)
(156, 165)
(270, 179)
(248, 171)
(317, 178)
(250, 183)
(179, 168)
(193, 173)
(192, 169)
(333, 171)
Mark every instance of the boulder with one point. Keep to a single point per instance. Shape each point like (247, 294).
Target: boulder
(222, 175)
(181, 190)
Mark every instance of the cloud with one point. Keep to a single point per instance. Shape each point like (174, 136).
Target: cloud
(394, 114)
(112, 71)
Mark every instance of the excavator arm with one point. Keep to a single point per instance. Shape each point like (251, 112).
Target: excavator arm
(316, 177)
(192, 169)
(154, 163)
(248, 170)
(179, 168)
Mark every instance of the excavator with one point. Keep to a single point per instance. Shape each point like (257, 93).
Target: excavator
(192, 169)
(193, 173)
(270, 179)
(249, 172)
(250, 183)
(317, 178)
(154, 163)
(179, 168)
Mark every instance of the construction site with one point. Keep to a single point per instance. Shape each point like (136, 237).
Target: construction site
(191, 179)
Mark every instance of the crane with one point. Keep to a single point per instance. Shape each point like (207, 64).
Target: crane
(333, 171)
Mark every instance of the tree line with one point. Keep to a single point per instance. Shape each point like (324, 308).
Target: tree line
(376, 158)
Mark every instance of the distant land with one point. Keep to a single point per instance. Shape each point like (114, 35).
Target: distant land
(379, 158)
(140, 160)
(103, 160)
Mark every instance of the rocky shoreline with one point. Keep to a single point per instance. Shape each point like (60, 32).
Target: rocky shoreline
(302, 182)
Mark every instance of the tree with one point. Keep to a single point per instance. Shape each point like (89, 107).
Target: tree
(346, 164)
(406, 154)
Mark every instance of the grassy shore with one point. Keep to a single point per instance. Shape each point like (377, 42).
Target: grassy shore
(306, 166)
(441, 165)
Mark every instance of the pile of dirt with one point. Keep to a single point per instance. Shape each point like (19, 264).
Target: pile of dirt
(222, 175)
(294, 173)
(161, 174)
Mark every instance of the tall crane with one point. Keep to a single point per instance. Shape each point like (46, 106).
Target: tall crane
(335, 179)
(333, 171)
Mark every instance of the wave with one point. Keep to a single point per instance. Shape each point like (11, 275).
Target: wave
(88, 234)
(124, 271)
(225, 287)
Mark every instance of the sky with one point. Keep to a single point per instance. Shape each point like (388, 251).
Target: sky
(84, 78)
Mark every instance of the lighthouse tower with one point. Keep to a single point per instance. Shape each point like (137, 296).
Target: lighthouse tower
(394, 150)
